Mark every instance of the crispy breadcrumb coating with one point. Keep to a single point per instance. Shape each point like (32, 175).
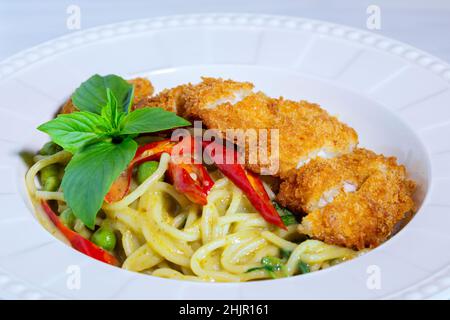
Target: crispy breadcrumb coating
(211, 93)
(254, 112)
(168, 99)
(68, 107)
(305, 130)
(143, 88)
(359, 218)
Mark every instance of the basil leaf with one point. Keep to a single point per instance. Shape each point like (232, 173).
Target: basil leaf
(303, 267)
(91, 172)
(288, 220)
(273, 266)
(255, 269)
(111, 110)
(129, 100)
(92, 96)
(151, 120)
(287, 216)
(75, 130)
(285, 253)
(272, 263)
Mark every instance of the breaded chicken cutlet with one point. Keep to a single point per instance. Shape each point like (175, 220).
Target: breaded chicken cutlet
(305, 130)
(143, 88)
(355, 200)
(351, 197)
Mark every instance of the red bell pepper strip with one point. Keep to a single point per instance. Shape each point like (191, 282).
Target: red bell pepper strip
(192, 180)
(189, 178)
(247, 181)
(152, 150)
(148, 152)
(77, 241)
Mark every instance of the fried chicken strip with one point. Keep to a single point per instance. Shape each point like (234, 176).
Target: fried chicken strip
(305, 130)
(352, 197)
(168, 99)
(355, 200)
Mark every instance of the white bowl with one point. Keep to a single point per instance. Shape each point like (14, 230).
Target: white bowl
(395, 96)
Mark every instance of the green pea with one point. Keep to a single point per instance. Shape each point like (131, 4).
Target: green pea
(50, 177)
(146, 169)
(68, 218)
(49, 148)
(104, 238)
(49, 171)
(52, 184)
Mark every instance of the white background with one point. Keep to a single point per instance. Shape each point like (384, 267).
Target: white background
(422, 23)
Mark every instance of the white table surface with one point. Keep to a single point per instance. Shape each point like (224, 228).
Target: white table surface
(421, 23)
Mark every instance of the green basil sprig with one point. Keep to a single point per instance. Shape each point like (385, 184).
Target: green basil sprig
(101, 138)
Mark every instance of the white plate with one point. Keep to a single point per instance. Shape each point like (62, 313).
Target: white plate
(395, 96)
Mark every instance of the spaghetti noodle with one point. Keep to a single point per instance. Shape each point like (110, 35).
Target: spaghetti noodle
(164, 234)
